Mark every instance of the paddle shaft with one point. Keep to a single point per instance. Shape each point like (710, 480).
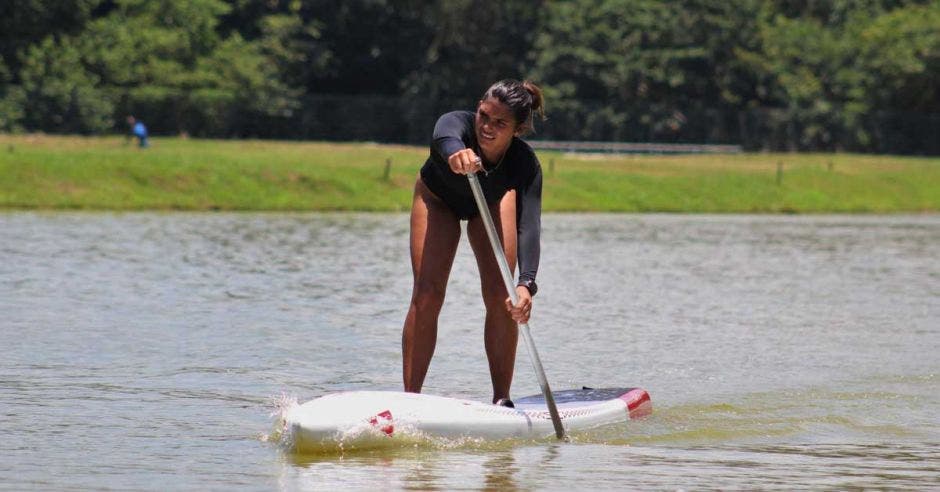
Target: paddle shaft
(511, 288)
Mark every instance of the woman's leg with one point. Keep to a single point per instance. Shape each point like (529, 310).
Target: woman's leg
(435, 232)
(501, 333)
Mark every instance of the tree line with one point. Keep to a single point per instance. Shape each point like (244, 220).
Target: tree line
(859, 75)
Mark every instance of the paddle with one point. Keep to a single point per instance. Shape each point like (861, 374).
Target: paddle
(511, 287)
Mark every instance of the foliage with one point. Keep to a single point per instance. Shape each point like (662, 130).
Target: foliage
(60, 95)
(12, 101)
(645, 65)
(901, 51)
(768, 74)
(25, 23)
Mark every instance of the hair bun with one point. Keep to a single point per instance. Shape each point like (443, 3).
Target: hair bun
(538, 101)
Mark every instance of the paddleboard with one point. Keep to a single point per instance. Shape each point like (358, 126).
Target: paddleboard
(369, 419)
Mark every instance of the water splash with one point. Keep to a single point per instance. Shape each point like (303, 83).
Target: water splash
(280, 405)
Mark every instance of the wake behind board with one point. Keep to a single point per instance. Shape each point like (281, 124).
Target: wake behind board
(370, 419)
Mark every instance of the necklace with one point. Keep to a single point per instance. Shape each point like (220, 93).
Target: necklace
(486, 172)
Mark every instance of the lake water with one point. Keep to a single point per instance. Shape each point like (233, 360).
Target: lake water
(149, 351)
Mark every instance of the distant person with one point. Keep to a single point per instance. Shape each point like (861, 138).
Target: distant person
(485, 141)
(138, 131)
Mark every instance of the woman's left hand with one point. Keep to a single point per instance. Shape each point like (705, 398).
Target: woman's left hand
(523, 309)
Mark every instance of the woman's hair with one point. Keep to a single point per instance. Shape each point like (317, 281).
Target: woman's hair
(524, 99)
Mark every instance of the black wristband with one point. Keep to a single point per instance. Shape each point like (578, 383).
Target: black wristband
(529, 284)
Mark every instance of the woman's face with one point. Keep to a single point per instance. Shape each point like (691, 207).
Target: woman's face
(495, 126)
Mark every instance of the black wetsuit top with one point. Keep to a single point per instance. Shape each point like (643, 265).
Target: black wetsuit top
(519, 170)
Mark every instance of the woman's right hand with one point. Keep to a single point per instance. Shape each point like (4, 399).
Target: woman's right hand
(464, 161)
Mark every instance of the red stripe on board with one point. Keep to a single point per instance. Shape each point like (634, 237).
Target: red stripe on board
(638, 403)
(383, 419)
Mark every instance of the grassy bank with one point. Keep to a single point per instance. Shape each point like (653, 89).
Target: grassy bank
(50, 172)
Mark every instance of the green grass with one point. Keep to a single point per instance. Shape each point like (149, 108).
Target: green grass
(107, 173)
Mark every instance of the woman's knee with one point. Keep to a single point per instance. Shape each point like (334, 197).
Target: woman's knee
(428, 295)
(494, 296)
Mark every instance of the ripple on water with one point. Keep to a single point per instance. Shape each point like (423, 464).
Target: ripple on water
(780, 352)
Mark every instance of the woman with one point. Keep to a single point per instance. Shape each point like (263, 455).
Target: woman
(486, 142)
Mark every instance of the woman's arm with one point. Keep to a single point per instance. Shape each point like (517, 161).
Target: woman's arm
(449, 134)
(529, 224)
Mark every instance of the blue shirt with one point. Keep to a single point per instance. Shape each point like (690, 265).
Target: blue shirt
(140, 130)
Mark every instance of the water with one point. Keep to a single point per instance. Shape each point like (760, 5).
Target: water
(148, 351)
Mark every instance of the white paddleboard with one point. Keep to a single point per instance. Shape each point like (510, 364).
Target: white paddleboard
(369, 419)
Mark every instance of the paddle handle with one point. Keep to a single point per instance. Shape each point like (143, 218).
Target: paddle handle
(511, 288)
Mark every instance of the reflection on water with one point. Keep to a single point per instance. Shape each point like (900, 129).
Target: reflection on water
(508, 467)
(575, 466)
(144, 350)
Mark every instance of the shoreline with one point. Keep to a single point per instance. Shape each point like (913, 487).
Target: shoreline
(48, 172)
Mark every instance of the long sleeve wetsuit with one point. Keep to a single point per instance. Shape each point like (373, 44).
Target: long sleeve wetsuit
(518, 170)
